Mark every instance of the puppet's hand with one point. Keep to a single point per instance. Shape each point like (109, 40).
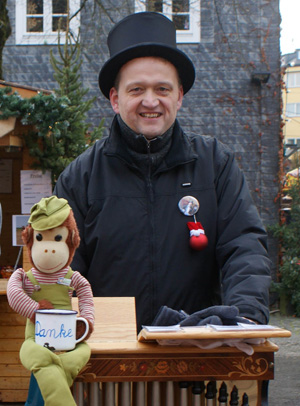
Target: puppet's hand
(80, 329)
(43, 304)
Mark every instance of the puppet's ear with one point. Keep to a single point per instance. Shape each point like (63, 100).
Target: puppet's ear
(27, 235)
(74, 239)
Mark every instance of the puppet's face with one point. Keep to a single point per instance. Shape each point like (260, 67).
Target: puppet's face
(49, 251)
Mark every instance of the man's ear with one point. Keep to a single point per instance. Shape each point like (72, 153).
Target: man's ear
(180, 97)
(114, 100)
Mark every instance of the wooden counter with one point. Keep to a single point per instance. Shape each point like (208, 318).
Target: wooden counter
(118, 356)
(14, 378)
(3, 285)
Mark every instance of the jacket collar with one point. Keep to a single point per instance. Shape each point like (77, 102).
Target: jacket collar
(137, 143)
(181, 150)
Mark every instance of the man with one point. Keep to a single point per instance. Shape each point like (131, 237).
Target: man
(125, 191)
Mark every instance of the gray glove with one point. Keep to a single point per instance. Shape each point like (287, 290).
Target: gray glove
(219, 315)
(168, 317)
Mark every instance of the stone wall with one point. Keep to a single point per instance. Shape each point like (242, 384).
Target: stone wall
(237, 37)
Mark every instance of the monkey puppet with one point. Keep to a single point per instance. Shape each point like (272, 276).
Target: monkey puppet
(51, 238)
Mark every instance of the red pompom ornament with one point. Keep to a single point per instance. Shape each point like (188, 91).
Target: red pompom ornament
(198, 239)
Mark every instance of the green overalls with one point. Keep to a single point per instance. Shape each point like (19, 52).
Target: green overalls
(54, 372)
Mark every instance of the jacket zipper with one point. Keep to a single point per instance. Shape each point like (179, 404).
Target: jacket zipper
(152, 239)
(149, 182)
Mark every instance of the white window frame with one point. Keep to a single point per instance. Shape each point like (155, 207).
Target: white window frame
(182, 36)
(292, 110)
(47, 37)
(293, 79)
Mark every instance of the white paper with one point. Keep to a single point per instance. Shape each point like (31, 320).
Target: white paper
(34, 185)
(256, 327)
(160, 329)
(243, 327)
(226, 328)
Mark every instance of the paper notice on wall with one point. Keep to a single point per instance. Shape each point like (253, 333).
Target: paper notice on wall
(34, 185)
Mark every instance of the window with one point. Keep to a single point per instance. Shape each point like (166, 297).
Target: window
(292, 110)
(293, 79)
(292, 141)
(184, 13)
(39, 21)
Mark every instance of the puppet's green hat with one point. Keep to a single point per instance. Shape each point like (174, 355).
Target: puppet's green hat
(48, 213)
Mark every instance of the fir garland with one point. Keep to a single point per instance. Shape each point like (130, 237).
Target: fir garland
(48, 113)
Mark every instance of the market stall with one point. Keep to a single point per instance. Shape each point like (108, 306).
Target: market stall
(14, 157)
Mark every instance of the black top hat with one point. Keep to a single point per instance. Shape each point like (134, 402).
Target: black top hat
(144, 34)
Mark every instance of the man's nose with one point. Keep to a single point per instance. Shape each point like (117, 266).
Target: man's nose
(150, 99)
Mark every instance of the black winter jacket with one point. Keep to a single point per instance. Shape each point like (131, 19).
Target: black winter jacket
(135, 240)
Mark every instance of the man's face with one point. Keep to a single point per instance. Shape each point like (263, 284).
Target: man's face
(148, 95)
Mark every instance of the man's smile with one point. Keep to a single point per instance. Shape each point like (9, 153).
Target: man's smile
(150, 115)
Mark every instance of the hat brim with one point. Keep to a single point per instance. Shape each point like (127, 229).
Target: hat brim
(183, 64)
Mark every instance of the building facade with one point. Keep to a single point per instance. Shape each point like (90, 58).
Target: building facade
(291, 101)
(228, 41)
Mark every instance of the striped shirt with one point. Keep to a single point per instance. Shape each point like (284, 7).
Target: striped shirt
(20, 289)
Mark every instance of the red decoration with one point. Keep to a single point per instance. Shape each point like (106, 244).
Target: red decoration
(198, 239)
